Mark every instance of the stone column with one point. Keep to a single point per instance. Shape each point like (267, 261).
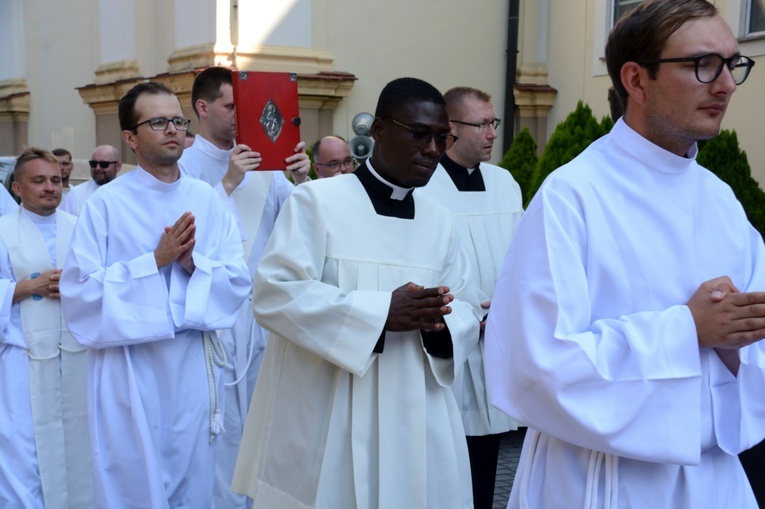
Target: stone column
(14, 92)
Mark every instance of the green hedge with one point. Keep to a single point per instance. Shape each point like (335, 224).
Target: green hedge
(725, 159)
(521, 159)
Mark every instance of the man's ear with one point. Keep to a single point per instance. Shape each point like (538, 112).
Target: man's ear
(634, 78)
(129, 138)
(377, 127)
(201, 108)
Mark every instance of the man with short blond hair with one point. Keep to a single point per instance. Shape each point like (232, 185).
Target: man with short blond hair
(43, 385)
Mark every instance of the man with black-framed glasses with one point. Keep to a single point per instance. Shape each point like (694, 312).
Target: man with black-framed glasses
(367, 294)
(486, 204)
(627, 324)
(155, 267)
(104, 164)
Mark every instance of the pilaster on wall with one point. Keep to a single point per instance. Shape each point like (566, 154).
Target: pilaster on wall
(318, 95)
(200, 56)
(116, 71)
(15, 100)
(534, 99)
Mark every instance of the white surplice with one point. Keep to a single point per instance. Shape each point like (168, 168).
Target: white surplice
(149, 393)
(590, 342)
(7, 203)
(43, 420)
(73, 201)
(485, 222)
(334, 424)
(255, 203)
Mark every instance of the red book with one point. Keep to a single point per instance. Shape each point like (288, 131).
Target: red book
(267, 115)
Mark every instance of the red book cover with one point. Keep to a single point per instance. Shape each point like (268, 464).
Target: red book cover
(267, 115)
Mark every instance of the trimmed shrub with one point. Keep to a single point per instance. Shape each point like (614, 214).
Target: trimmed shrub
(521, 159)
(723, 157)
(570, 138)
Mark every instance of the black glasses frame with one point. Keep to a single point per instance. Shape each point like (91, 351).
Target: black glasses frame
(161, 123)
(483, 126)
(103, 164)
(732, 63)
(422, 137)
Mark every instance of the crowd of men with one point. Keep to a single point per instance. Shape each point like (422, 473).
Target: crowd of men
(196, 334)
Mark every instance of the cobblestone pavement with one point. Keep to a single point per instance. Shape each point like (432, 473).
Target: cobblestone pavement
(509, 454)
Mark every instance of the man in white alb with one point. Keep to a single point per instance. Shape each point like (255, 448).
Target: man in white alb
(146, 295)
(486, 204)
(45, 460)
(617, 332)
(255, 197)
(367, 294)
(65, 163)
(104, 164)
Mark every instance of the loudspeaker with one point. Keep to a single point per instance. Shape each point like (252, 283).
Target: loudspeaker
(362, 124)
(361, 147)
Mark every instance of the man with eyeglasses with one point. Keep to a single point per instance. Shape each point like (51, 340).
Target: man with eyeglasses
(331, 157)
(255, 198)
(367, 295)
(626, 324)
(154, 268)
(104, 165)
(486, 204)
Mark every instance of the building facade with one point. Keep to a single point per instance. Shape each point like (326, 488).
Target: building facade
(65, 65)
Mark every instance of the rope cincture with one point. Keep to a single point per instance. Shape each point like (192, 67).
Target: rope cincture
(596, 460)
(215, 355)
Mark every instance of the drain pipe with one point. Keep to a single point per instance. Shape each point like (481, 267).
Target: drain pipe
(512, 61)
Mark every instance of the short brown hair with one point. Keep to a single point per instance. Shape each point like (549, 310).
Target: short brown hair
(30, 154)
(642, 33)
(455, 96)
(126, 109)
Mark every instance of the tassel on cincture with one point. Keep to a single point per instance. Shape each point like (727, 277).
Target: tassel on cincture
(216, 426)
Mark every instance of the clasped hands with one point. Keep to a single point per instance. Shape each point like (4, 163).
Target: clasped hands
(414, 307)
(177, 244)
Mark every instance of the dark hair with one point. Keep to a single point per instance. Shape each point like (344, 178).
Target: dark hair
(455, 96)
(61, 152)
(30, 154)
(127, 114)
(642, 33)
(207, 85)
(406, 91)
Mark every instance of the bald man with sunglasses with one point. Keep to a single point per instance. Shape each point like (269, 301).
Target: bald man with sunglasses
(104, 164)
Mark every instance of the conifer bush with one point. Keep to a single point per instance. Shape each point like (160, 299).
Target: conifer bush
(521, 159)
(723, 157)
(568, 140)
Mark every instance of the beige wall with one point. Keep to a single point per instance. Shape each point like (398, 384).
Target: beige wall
(449, 43)
(575, 46)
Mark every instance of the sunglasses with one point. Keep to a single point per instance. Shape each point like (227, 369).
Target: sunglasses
(103, 164)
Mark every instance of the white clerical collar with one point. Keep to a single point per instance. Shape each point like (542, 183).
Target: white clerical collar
(206, 146)
(151, 182)
(37, 218)
(397, 193)
(649, 153)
